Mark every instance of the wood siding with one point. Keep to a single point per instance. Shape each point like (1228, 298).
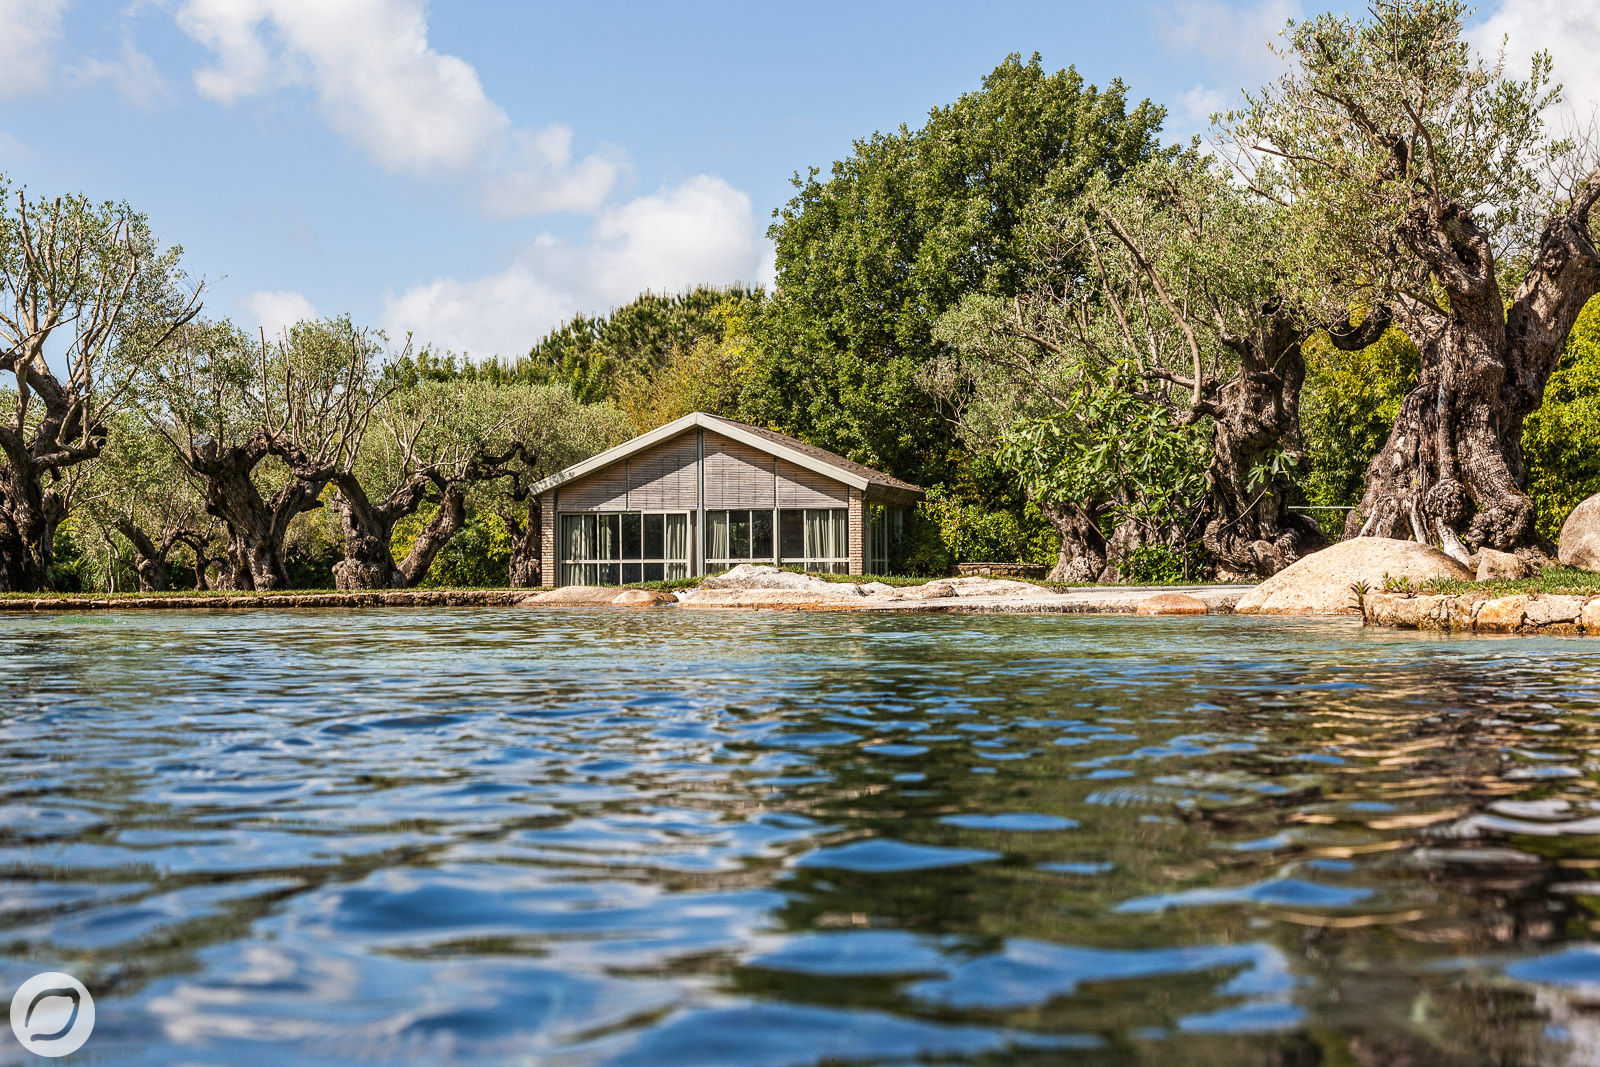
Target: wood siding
(801, 488)
(737, 476)
(663, 478)
(604, 490)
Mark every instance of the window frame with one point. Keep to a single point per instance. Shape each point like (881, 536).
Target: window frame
(587, 569)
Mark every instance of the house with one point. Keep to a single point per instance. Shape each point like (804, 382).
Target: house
(703, 494)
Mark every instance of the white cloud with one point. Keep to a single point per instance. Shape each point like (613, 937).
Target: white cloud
(702, 230)
(132, 73)
(1196, 106)
(274, 311)
(1226, 35)
(1568, 29)
(1234, 41)
(30, 30)
(383, 87)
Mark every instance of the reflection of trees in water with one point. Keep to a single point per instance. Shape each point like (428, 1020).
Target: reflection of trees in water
(1430, 741)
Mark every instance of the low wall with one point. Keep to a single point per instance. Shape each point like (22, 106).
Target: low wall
(1486, 613)
(1002, 570)
(377, 598)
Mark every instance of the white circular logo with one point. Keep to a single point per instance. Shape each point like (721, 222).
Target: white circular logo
(52, 1014)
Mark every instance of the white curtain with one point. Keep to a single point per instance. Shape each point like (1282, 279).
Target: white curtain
(606, 545)
(717, 542)
(571, 537)
(677, 540)
(839, 535)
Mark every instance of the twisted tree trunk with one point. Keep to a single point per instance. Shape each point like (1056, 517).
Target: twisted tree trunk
(1082, 557)
(526, 559)
(1250, 532)
(29, 515)
(256, 526)
(1451, 471)
(451, 516)
(149, 558)
(368, 529)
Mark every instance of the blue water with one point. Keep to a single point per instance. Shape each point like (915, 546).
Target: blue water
(781, 838)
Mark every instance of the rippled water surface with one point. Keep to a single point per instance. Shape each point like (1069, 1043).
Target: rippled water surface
(752, 838)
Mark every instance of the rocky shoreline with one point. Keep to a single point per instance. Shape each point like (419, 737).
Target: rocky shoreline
(1486, 613)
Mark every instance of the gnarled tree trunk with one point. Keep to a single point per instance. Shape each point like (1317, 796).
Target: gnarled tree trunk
(256, 526)
(29, 515)
(451, 516)
(1451, 471)
(1083, 547)
(526, 559)
(368, 532)
(1250, 532)
(149, 558)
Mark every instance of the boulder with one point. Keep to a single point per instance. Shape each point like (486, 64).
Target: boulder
(1172, 604)
(777, 598)
(1319, 584)
(571, 596)
(643, 598)
(1590, 619)
(764, 576)
(1494, 565)
(1580, 536)
(968, 587)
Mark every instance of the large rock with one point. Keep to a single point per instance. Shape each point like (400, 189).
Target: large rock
(1580, 536)
(1503, 566)
(762, 576)
(1319, 584)
(1172, 604)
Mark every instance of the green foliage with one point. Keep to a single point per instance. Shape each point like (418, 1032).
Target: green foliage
(1567, 581)
(1347, 408)
(1385, 116)
(1561, 441)
(871, 256)
(1111, 452)
(478, 556)
(593, 356)
(947, 530)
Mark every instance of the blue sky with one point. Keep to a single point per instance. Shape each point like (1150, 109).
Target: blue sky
(475, 172)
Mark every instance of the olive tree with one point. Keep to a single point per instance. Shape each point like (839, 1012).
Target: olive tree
(1417, 177)
(85, 294)
(428, 444)
(264, 427)
(1177, 324)
(139, 491)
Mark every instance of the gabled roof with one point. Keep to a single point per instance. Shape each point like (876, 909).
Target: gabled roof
(812, 458)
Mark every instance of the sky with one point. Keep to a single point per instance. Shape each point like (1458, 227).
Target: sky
(474, 172)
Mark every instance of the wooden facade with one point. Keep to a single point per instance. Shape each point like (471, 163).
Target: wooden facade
(741, 493)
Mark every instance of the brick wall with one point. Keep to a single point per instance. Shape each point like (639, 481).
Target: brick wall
(858, 532)
(549, 562)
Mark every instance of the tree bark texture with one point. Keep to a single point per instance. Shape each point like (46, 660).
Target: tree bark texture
(1083, 547)
(451, 516)
(1451, 472)
(526, 561)
(256, 525)
(29, 515)
(368, 530)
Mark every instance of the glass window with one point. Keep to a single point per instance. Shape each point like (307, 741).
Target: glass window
(792, 533)
(621, 548)
(815, 539)
(761, 535)
(740, 536)
(652, 536)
